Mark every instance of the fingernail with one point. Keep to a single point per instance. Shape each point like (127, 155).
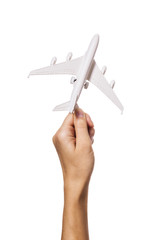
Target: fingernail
(79, 113)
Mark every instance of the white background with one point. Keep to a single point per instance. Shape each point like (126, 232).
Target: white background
(124, 194)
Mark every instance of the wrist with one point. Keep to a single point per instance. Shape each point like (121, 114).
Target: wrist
(75, 191)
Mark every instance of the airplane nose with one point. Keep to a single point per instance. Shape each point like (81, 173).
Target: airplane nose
(94, 42)
(96, 38)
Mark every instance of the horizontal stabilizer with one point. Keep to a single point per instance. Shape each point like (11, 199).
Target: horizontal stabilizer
(62, 107)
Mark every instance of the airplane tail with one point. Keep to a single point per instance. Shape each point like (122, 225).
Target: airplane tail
(62, 107)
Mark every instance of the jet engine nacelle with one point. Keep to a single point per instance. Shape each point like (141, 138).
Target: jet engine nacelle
(73, 79)
(53, 61)
(112, 84)
(69, 56)
(86, 85)
(103, 71)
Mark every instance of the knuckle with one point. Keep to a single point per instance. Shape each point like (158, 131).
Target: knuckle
(54, 139)
(60, 135)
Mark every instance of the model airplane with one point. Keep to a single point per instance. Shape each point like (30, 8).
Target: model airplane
(86, 70)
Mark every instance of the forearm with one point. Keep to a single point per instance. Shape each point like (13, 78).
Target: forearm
(75, 221)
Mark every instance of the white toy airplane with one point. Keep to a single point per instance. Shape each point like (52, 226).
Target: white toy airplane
(84, 68)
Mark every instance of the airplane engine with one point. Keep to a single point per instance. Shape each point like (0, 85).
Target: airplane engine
(69, 56)
(112, 84)
(103, 71)
(53, 61)
(73, 79)
(86, 85)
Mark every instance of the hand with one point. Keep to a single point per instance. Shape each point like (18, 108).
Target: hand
(73, 142)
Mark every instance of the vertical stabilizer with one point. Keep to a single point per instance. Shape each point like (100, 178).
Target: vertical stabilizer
(62, 107)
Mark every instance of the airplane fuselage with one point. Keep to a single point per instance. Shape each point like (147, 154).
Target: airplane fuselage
(83, 72)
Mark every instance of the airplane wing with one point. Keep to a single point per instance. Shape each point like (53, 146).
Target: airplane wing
(68, 67)
(98, 79)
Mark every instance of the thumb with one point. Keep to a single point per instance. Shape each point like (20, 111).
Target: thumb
(81, 128)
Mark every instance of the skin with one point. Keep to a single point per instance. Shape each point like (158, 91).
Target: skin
(73, 142)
